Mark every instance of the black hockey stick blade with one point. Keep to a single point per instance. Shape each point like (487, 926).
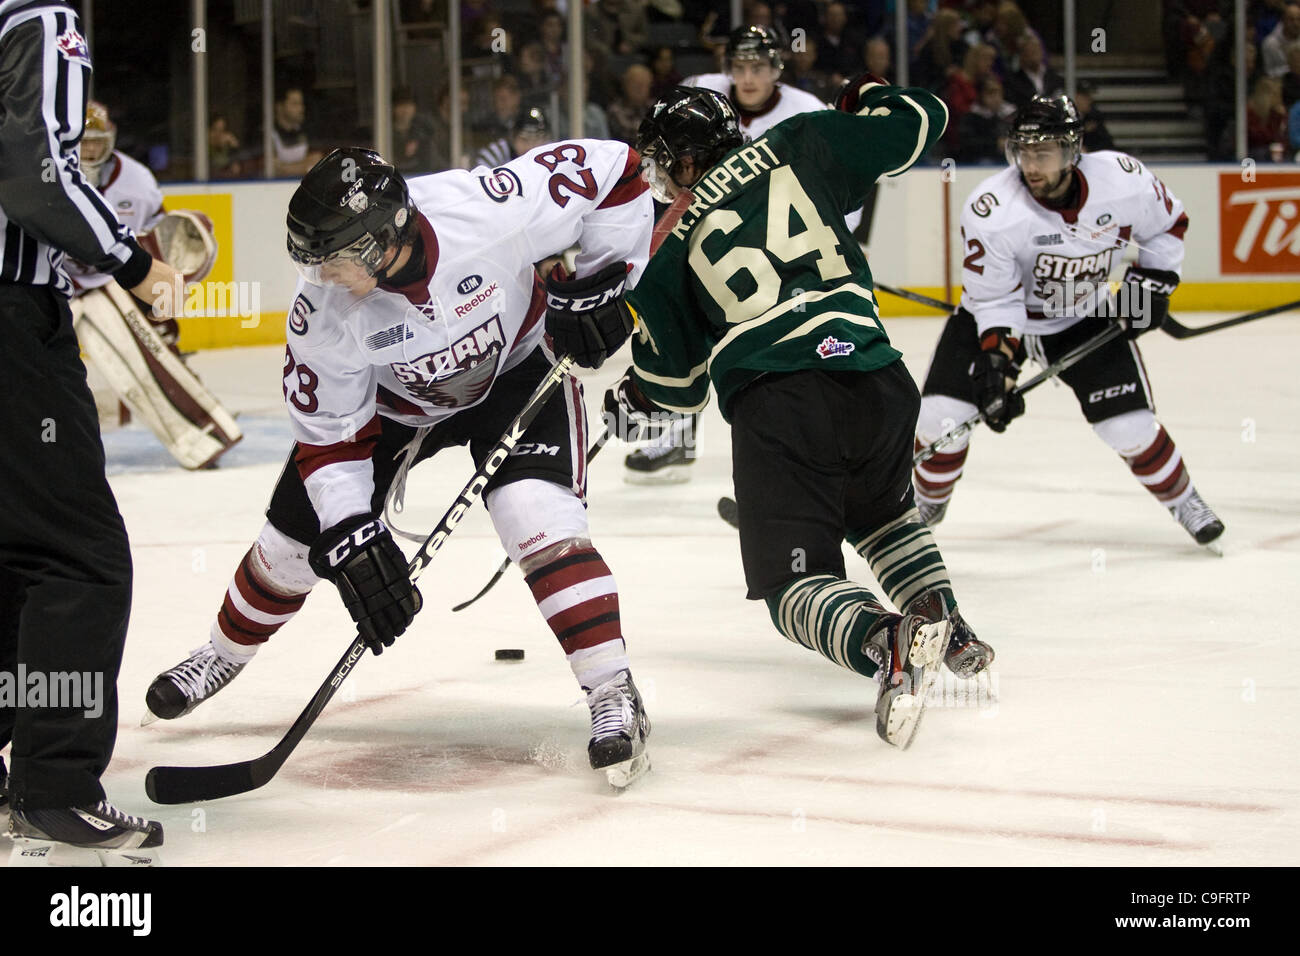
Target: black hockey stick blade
(486, 588)
(189, 784)
(1179, 331)
(729, 511)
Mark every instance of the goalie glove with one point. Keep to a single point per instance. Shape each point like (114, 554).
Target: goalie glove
(588, 318)
(360, 557)
(1145, 299)
(630, 416)
(993, 375)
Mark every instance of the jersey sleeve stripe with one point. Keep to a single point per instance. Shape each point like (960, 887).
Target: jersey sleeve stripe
(630, 185)
(1179, 227)
(668, 381)
(922, 136)
(822, 318)
(312, 458)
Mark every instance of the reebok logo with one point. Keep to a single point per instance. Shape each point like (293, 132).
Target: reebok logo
(525, 545)
(465, 308)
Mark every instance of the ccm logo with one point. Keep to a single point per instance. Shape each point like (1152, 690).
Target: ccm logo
(584, 303)
(358, 538)
(536, 448)
(1113, 392)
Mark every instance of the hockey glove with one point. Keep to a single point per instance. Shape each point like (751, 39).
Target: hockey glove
(365, 564)
(587, 318)
(1145, 299)
(630, 416)
(851, 93)
(994, 373)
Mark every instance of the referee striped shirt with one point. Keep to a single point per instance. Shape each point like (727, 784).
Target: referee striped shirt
(46, 206)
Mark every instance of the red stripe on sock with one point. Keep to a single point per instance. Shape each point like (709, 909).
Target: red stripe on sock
(565, 572)
(593, 637)
(260, 596)
(579, 626)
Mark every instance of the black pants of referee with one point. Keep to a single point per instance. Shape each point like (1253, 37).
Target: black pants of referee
(65, 563)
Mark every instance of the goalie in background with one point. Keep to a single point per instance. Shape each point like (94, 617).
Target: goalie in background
(140, 362)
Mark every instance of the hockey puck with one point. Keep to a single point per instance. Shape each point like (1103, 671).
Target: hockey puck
(509, 654)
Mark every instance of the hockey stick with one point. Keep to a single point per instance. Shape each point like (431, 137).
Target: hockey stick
(592, 452)
(915, 297)
(727, 509)
(188, 784)
(1180, 331)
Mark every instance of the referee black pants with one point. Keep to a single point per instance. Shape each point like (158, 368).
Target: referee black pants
(65, 563)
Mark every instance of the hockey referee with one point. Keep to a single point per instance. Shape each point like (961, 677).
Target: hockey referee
(65, 562)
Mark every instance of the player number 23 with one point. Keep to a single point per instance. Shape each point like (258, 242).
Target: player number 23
(784, 195)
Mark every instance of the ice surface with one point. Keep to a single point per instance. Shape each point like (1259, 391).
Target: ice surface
(1146, 692)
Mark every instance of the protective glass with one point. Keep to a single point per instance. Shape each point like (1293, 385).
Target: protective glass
(658, 179)
(1047, 156)
(346, 267)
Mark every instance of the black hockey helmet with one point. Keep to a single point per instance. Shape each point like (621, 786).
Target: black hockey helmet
(754, 43)
(1047, 119)
(686, 121)
(352, 204)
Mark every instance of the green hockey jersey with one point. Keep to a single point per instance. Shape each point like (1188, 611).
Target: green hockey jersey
(761, 274)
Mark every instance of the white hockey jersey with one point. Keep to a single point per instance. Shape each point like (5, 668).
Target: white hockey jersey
(422, 354)
(133, 193)
(1025, 266)
(786, 101)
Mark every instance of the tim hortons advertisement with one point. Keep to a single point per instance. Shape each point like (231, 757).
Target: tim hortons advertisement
(1259, 224)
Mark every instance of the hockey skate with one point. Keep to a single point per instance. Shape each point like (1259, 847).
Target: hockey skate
(966, 654)
(907, 650)
(96, 835)
(666, 460)
(931, 513)
(1200, 521)
(619, 728)
(176, 692)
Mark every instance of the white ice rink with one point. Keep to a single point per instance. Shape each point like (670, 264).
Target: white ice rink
(1146, 692)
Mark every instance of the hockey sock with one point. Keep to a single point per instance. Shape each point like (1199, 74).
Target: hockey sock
(577, 595)
(933, 479)
(1159, 467)
(828, 615)
(905, 559)
(251, 612)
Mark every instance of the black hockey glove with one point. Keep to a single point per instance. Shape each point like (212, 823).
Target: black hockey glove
(994, 374)
(1144, 299)
(851, 93)
(630, 416)
(587, 318)
(365, 564)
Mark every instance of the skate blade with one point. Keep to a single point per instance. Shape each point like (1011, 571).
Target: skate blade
(30, 852)
(149, 718)
(668, 475)
(905, 712)
(1215, 547)
(623, 775)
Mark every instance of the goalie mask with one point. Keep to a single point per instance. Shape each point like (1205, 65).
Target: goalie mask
(347, 213)
(685, 121)
(1045, 141)
(97, 141)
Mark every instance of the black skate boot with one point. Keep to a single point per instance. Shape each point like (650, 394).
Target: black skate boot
(78, 836)
(666, 460)
(966, 655)
(907, 650)
(176, 692)
(619, 728)
(1200, 521)
(931, 513)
